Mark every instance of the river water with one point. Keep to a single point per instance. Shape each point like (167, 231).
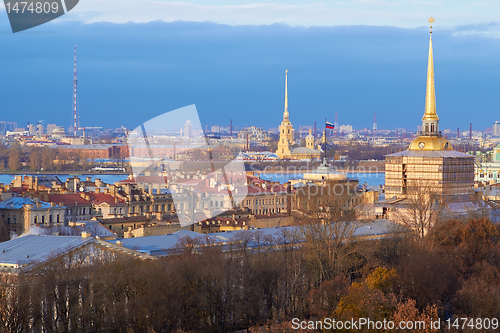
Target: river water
(371, 179)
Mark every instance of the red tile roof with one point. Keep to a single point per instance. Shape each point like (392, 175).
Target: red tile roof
(70, 199)
(98, 198)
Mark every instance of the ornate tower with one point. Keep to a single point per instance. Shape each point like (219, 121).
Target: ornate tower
(286, 128)
(430, 120)
(430, 165)
(430, 137)
(310, 140)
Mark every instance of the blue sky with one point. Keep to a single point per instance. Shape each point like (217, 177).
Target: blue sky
(136, 60)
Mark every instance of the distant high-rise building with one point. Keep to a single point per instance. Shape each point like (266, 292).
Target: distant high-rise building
(39, 129)
(7, 126)
(188, 129)
(50, 128)
(31, 129)
(345, 129)
(496, 128)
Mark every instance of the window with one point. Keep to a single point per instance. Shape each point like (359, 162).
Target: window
(57, 218)
(50, 218)
(43, 218)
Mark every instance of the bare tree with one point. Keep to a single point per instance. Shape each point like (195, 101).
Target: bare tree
(328, 222)
(419, 211)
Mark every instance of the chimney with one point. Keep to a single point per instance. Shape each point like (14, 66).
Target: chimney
(85, 234)
(97, 190)
(112, 190)
(119, 243)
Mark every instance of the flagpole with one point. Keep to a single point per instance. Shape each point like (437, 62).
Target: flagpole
(325, 143)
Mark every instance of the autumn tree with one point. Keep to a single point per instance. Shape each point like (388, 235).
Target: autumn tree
(370, 298)
(328, 222)
(419, 211)
(15, 157)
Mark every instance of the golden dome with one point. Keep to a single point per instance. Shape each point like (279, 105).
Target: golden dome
(430, 143)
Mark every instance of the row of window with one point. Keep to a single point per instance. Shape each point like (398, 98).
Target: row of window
(269, 201)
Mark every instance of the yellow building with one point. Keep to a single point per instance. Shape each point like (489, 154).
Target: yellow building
(286, 141)
(430, 164)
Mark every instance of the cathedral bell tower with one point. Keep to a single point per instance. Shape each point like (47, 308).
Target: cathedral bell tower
(286, 129)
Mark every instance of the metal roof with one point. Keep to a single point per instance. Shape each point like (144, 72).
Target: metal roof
(19, 202)
(31, 249)
(150, 244)
(162, 243)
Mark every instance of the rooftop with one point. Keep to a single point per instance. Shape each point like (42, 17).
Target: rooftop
(31, 249)
(19, 202)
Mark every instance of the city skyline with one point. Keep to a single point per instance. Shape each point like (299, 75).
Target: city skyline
(132, 72)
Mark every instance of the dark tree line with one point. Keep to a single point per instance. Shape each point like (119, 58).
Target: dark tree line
(254, 283)
(17, 158)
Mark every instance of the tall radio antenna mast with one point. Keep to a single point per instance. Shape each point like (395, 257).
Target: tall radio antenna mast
(75, 81)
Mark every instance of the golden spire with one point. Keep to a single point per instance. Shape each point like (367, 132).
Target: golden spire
(285, 114)
(430, 97)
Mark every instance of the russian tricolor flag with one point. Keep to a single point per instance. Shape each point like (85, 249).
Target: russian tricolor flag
(329, 125)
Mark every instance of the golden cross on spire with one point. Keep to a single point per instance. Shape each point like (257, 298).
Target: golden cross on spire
(431, 20)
